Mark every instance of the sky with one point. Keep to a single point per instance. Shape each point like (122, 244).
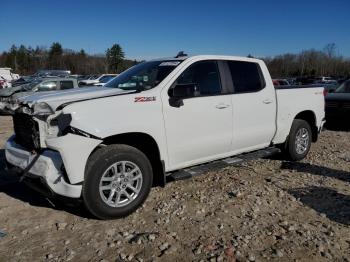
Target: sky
(160, 28)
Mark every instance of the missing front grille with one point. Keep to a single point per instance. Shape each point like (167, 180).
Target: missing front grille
(26, 131)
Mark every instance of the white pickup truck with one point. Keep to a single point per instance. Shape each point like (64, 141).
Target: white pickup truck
(109, 145)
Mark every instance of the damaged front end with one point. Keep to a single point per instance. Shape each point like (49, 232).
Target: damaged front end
(47, 147)
(8, 106)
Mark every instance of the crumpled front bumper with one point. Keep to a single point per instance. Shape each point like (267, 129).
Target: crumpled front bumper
(48, 167)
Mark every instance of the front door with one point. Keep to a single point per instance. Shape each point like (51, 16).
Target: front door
(201, 128)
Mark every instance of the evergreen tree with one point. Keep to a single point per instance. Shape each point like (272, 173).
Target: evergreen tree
(82, 53)
(55, 56)
(11, 58)
(115, 57)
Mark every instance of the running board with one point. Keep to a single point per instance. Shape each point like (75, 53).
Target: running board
(218, 164)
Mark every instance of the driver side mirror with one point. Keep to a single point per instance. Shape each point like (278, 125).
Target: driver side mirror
(180, 92)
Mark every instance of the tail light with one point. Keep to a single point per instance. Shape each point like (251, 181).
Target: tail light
(325, 92)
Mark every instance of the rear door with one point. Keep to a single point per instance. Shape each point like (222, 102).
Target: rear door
(254, 106)
(200, 129)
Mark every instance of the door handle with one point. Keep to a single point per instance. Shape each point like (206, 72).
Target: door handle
(267, 101)
(222, 106)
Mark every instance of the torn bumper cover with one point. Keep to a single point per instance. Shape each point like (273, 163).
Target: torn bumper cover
(51, 165)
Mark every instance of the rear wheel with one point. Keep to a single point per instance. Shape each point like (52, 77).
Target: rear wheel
(299, 140)
(118, 180)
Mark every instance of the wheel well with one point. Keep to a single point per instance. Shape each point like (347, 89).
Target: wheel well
(147, 145)
(309, 117)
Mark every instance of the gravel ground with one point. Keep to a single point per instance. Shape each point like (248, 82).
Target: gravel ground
(262, 210)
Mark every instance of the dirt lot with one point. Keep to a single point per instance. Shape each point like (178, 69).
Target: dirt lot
(263, 210)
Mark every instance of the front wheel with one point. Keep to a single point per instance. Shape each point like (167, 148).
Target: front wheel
(117, 181)
(299, 140)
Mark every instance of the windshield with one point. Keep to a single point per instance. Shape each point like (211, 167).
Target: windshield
(143, 76)
(343, 88)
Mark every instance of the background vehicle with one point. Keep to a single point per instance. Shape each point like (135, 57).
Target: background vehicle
(324, 79)
(157, 118)
(105, 79)
(280, 82)
(99, 80)
(37, 85)
(5, 73)
(3, 83)
(52, 73)
(338, 104)
(329, 87)
(306, 80)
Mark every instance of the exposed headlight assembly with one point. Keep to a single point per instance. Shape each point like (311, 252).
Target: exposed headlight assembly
(42, 109)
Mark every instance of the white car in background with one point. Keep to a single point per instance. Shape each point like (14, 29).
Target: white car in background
(102, 79)
(6, 76)
(325, 80)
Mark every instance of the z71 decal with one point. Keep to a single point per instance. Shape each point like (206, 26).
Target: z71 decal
(145, 99)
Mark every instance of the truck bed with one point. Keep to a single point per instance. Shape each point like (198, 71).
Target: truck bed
(294, 99)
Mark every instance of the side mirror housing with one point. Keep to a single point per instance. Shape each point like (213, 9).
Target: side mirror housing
(180, 92)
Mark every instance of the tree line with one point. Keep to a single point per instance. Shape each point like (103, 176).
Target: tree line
(27, 60)
(309, 63)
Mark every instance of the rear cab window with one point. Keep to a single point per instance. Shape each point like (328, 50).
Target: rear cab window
(246, 77)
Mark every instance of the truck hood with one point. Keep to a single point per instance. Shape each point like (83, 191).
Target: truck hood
(57, 98)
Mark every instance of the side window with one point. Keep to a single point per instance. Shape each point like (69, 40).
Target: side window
(204, 76)
(246, 76)
(67, 85)
(47, 86)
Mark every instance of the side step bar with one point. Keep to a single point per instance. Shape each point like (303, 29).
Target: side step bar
(230, 161)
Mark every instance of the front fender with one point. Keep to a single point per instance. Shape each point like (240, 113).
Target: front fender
(75, 151)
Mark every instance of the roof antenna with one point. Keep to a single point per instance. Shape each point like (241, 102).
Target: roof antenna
(180, 54)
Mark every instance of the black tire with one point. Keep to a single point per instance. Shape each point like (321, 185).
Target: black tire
(98, 163)
(290, 148)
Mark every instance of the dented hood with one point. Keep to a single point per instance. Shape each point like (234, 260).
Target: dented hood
(7, 92)
(56, 98)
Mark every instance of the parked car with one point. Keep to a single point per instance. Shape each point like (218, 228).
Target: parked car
(292, 81)
(21, 81)
(92, 80)
(52, 73)
(343, 79)
(38, 85)
(156, 118)
(329, 87)
(338, 104)
(6, 73)
(324, 79)
(3, 83)
(305, 80)
(105, 79)
(280, 82)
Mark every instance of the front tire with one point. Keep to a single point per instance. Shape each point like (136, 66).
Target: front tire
(299, 140)
(118, 179)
